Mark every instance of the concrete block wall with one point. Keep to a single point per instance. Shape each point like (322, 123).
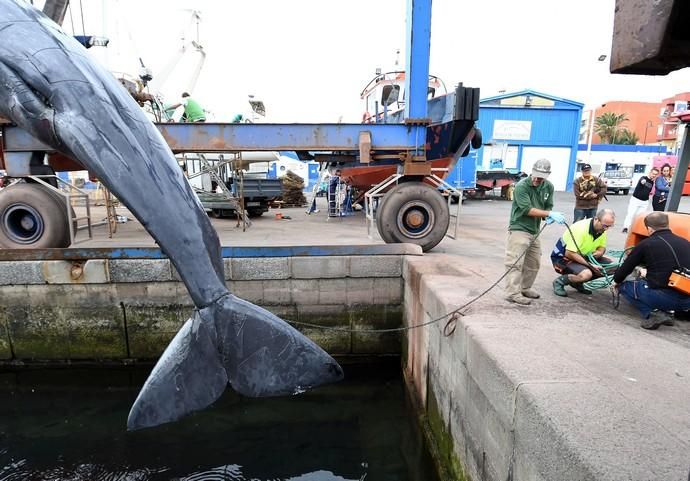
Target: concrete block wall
(131, 308)
(541, 394)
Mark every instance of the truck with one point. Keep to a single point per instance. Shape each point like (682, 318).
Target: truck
(255, 196)
(228, 184)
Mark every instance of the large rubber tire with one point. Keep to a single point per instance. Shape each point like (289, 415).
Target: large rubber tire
(32, 217)
(413, 212)
(253, 213)
(476, 141)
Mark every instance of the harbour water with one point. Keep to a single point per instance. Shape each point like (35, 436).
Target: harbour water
(69, 425)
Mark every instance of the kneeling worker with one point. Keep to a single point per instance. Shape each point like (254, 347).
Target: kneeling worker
(661, 253)
(569, 256)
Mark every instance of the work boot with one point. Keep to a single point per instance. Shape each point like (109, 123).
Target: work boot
(517, 299)
(656, 319)
(580, 287)
(559, 285)
(625, 230)
(531, 293)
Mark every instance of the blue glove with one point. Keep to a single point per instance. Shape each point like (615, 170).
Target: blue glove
(556, 217)
(549, 220)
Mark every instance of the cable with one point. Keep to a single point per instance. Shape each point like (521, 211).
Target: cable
(71, 20)
(81, 10)
(449, 328)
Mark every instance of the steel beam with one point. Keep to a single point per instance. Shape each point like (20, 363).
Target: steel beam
(681, 172)
(417, 62)
(219, 137)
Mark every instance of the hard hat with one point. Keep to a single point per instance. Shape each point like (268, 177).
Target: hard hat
(541, 168)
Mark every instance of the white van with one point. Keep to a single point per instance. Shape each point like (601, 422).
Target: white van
(618, 181)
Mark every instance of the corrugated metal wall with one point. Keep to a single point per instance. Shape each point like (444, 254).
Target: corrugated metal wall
(549, 128)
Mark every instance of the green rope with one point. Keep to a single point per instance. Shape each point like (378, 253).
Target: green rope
(607, 269)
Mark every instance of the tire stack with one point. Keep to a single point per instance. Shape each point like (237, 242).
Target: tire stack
(293, 186)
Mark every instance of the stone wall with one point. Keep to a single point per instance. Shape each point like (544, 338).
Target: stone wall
(130, 308)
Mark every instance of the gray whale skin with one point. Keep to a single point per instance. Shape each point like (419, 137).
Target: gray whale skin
(51, 88)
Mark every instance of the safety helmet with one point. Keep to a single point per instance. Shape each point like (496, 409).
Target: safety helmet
(541, 168)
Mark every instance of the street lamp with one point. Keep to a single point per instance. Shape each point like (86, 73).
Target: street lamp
(601, 58)
(649, 124)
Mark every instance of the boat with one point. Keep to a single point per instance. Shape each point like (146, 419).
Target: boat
(450, 132)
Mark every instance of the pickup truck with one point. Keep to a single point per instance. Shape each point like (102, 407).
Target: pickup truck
(257, 193)
(618, 181)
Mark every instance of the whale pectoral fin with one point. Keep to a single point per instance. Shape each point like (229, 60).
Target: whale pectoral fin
(188, 377)
(263, 355)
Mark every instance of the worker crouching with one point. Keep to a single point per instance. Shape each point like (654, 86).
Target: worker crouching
(570, 255)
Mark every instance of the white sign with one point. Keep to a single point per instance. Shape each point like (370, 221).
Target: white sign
(512, 129)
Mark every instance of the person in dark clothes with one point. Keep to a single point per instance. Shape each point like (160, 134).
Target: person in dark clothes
(640, 199)
(333, 184)
(662, 186)
(660, 253)
(588, 191)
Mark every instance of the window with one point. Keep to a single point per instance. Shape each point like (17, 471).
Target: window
(390, 94)
(639, 168)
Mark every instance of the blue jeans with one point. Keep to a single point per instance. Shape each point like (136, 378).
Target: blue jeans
(646, 299)
(579, 214)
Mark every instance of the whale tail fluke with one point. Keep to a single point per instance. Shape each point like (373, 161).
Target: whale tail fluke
(236, 342)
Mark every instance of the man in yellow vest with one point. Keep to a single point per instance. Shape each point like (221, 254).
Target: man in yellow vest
(569, 256)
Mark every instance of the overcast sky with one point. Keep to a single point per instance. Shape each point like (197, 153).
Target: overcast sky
(309, 59)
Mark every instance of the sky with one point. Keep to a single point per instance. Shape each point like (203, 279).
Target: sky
(308, 60)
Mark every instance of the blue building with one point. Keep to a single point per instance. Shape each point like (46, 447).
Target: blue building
(522, 127)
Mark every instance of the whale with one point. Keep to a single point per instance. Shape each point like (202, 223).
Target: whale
(53, 89)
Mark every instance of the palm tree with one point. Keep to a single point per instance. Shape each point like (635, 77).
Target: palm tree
(626, 137)
(607, 124)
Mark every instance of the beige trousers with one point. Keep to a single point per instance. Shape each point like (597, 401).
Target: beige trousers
(522, 276)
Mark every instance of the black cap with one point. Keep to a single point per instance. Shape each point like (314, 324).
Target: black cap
(586, 167)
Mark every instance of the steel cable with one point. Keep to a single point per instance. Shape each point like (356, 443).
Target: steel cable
(449, 327)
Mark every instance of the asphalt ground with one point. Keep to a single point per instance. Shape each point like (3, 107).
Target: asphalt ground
(478, 247)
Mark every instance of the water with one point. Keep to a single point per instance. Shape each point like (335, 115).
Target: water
(69, 424)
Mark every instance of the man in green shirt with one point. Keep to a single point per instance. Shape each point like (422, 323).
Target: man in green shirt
(193, 112)
(569, 256)
(532, 202)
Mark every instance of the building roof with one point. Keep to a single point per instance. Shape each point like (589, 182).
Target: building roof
(531, 93)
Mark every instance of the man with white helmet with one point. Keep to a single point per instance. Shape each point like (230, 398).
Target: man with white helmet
(532, 202)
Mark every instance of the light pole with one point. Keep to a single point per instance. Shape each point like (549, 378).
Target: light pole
(649, 124)
(589, 136)
(601, 58)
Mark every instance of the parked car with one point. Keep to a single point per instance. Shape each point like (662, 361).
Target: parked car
(618, 181)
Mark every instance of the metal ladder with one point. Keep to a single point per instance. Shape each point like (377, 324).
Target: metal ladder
(213, 171)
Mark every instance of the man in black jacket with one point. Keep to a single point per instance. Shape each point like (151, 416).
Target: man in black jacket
(660, 253)
(639, 201)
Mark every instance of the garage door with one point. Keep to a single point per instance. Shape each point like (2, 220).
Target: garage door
(560, 163)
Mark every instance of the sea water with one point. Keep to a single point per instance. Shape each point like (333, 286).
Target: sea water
(70, 424)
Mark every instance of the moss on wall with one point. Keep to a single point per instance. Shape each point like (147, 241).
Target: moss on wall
(441, 441)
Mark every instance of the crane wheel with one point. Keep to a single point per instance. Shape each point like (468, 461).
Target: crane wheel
(413, 212)
(32, 217)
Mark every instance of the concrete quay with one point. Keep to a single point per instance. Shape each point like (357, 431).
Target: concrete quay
(564, 389)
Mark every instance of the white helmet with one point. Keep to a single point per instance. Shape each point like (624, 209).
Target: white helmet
(541, 168)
